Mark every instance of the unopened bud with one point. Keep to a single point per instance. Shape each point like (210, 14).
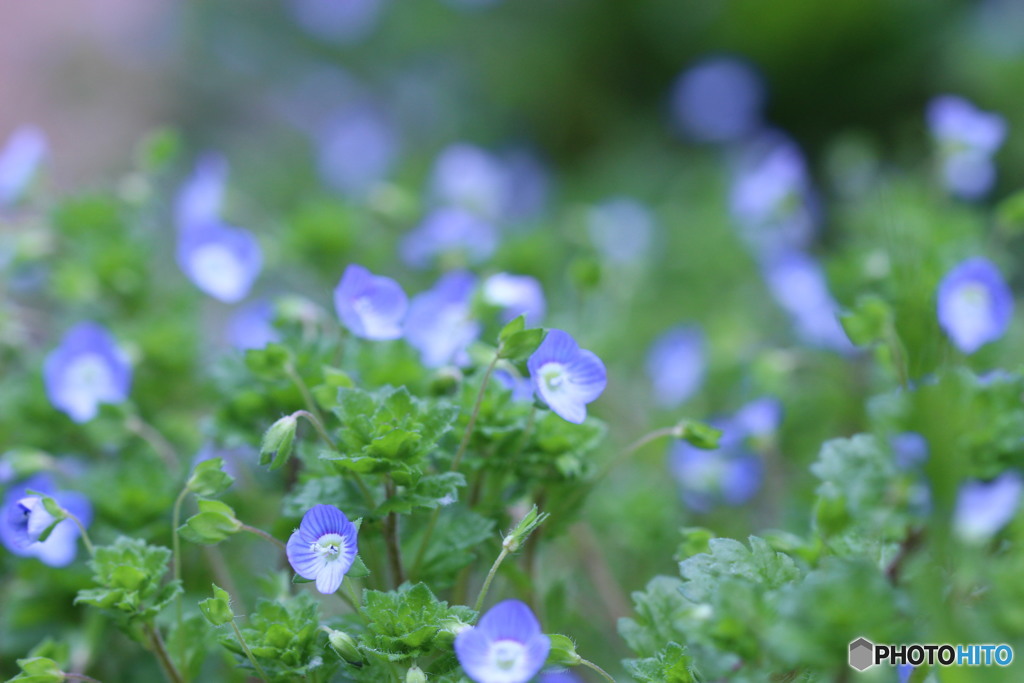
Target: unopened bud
(415, 675)
(344, 645)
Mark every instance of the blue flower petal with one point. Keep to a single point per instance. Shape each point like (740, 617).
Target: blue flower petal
(221, 260)
(975, 304)
(371, 306)
(302, 558)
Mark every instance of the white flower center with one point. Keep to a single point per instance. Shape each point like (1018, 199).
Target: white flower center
(218, 272)
(87, 381)
(329, 546)
(507, 654)
(554, 376)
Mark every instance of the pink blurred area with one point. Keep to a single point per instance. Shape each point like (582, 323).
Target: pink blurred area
(90, 73)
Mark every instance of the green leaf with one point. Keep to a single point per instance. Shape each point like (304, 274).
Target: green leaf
(270, 362)
(428, 493)
(671, 665)
(870, 322)
(215, 522)
(129, 573)
(521, 345)
(511, 328)
(217, 609)
(699, 434)
(38, 670)
(403, 624)
(562, 652)
(209, 479)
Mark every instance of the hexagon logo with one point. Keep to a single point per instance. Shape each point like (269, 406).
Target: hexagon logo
(862, 654)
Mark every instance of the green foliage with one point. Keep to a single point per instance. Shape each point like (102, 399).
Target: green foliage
(209, 479)
(214, 523)
(38, 670)
(407, 623)
(276, 446)
(129, 573)
(217, 609)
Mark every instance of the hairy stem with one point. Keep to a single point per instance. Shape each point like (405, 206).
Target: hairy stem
(264, 535)
(160, 650)
(81, 529)
(490, 577)
(248, 652)
(601, 672)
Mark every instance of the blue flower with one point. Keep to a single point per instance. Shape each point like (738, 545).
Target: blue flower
(983, 508)
(440, 324)
(566, 376)
(798, 284)
(675, 365)
(507, 646)
(904, 671)
(516, 295)
(251, 326)
(450, 233)
(967, 138)
(718, 100)
(371, 306)
(323, 548)
(19, 160)
(974, 304)
(472, 179)
(521, 387)
(200, 197)
(342, 22)
(771, 196)
(526, 185)
(23, 518)
(85, 370)
(909, 449)
(357, 150)
(621, 229)
(221, 260)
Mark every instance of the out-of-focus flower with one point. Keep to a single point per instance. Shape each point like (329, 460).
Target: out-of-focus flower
(251, 326)
(440, 324)
(20, 158)
(341, 22)
(454, 234)
(507, 646)
(521, 387)
(371, 306)
(621, 229)
(357, 150)
(470, 178)
(323, 548)
(675, 365)
(516, 295)
(759, 418)
(221, 260)
(771, 196)
(566, 376)
(797, 282)
(967, 138)
(85, 370)
(558, 677)
(909, 449)
(983, 508)
(975, 304)
(527, 184)
(904, 671)
(719, 99)
(23, 518)
(201, 196)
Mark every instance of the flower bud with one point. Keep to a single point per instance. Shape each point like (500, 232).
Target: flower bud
(415, 675)
(344, 646)
(277, 442)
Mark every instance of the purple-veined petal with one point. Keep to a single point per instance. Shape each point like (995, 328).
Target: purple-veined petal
(329, 579)
(306, 562)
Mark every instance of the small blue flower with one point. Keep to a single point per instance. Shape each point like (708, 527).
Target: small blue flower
(910, 449)
(760, 418)
(798, 284)
(23, 518)
(675, 365)
(967, 138)
(621, 229)
(323, 548)
(974, 304)
(342, 22)
(452, 234)
(85, 370)
(516, 295)
(199, 199)
(357, 150)
(983, 508)
(507, 646)
(251, 326)
(371, 306)
(566, 376)
(19, 160)
(771, 196)
(904, 671)
(221, 260)
(470, 178)
(719, 99)
(440, 324)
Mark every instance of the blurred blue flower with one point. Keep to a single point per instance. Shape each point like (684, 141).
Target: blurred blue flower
(759, 419)
(527, 184)
(371, 306)
(909, 449)
(516, 295)
(470, 178)
(506, 646)
(251, 326)
(440, 324)
(983, 508)
(566, 376)
(719, 99)
(85, 370)
(771, 196)
(357, 150)
(621, 229)
(798, 284)
(221, 260)
(558, 677)
(521, 387)
(23, 518)
(450, 234)
(20, 158)
(675, 365)
(199, 199)
(975, 304)
(323, 548)
(342, 22)
(904, 671)
(967, 138)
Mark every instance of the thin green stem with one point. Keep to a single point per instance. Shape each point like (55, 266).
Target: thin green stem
(81, 529)
(264, 535)
(248, 652)
(490, 577)
(604, 674)
(391, 539)
(472, 417)
(160, 650)
(176, 545)
(307, 397)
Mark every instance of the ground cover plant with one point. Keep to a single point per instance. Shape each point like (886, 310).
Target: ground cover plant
(394, 357)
